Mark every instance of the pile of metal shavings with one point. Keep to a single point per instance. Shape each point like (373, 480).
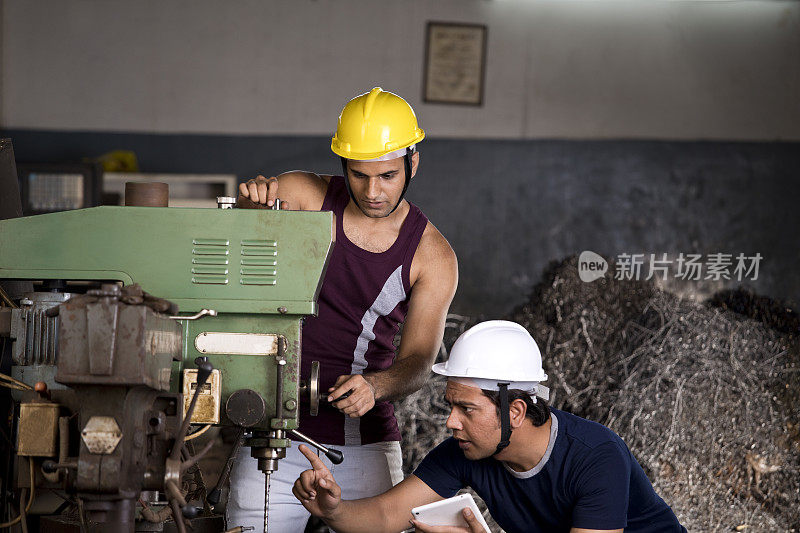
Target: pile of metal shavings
(707, 396)
(422, 415)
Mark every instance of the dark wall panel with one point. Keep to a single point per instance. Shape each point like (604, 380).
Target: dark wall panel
(510, 207)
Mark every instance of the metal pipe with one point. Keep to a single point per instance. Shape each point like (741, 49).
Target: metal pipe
(146, 194)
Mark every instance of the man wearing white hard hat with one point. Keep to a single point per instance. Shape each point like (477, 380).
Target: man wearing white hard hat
(537, 468)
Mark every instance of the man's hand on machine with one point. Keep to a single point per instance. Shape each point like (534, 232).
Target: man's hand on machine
(352, 395)
(261, 190)
(316, 489)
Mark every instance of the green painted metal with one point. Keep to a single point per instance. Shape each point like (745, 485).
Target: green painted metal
(254, 372)
(259, 269)
(166, 249)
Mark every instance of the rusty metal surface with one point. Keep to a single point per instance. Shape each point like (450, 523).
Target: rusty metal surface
(102, 318)
(146, 194)
(36, 333)
(105, 341)
(63, 524)
(101, 434)
(5, 322)
(207, 409)
(37, 429)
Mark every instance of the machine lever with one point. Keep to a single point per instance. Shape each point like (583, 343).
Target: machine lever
(213, 497)
(204, 369)
(49, 466)
(174, 466)
(200, 314)
(190, 511)
(335, 456)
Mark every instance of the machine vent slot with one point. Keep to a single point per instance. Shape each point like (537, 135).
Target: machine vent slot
(211, 242)
(210, 250)
(214, 253)
(257, 271)
(210, 270)
(259, 262)
(209, 260)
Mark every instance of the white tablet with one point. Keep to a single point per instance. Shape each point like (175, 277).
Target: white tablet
(448, 512)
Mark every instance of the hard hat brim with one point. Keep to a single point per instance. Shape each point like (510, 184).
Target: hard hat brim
(441, 369)
(363, 156)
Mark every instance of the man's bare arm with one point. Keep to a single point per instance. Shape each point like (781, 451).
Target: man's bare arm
(319, 493)
(436, 271)
(431, 295)
(298, 190)
(390, 511)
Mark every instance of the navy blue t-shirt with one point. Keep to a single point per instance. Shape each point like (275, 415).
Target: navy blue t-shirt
(588, 478)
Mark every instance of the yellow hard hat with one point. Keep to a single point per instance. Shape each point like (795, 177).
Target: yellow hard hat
(374, 124)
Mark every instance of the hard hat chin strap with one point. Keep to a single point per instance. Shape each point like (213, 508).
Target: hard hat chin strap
(406, 164)
(505, 419)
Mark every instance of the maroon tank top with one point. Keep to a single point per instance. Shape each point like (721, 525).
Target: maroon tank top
(363, 301)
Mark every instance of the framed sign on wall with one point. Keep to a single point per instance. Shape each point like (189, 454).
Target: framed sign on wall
(455, 63)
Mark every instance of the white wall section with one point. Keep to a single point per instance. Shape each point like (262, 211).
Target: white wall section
(555, 68)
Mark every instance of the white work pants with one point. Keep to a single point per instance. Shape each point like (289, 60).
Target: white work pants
(367, 470)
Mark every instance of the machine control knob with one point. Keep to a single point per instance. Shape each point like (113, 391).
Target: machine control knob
(245, 408)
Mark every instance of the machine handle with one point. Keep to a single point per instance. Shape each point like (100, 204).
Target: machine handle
(51, 467)
(190, 511)
(201, 314)
(204, 369)
(214, 496)
(174, 466)
(335, 456)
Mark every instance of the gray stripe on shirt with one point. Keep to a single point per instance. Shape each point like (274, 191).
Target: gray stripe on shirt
(391, 294)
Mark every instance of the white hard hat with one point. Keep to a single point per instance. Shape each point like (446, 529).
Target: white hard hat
(497, 351)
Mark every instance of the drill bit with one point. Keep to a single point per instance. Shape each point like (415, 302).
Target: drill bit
(266, 501)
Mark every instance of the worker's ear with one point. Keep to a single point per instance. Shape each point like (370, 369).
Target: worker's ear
(517, 409)
(414, 163)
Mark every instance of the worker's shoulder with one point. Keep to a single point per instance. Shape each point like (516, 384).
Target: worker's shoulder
(304, 179)
(434, 250)
(585, 433)
(303, 189)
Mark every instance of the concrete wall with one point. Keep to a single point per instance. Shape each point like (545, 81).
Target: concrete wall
(555, 68)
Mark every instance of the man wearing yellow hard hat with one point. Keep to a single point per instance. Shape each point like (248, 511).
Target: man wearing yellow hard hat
(389, 267)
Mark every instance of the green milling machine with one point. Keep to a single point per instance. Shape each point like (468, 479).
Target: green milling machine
(102, 368)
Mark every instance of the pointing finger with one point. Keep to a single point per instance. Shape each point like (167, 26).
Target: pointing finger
(316, 462)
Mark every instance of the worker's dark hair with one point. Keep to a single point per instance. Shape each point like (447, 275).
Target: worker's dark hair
(538, 412)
